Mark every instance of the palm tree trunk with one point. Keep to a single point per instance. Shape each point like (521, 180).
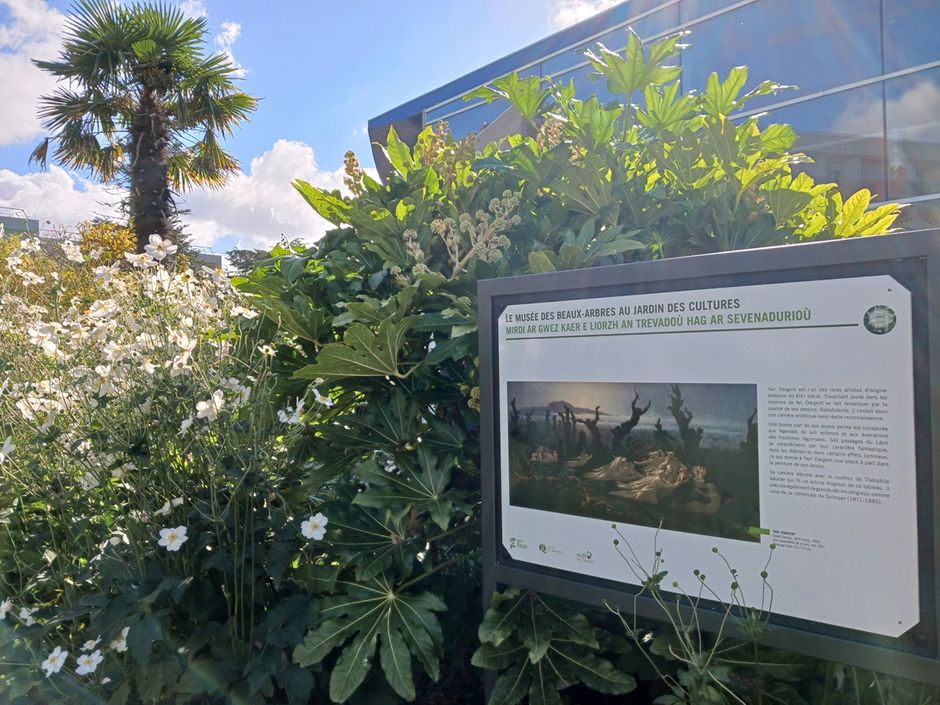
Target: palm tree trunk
(150, 200)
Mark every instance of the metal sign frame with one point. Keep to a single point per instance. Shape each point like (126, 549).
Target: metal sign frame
(914, 259)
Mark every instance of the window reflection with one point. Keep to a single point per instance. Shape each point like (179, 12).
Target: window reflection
(912, 107)
(911, 28)
(844, 134)
(476, 118)
(920, 216)
(815, 44)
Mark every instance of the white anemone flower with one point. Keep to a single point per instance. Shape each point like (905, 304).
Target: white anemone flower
(140, 260)
(326, 401)
(184, 427)
(120, 644)
(105, 274)
(209, 410)
(159, 248)
(168, 506)
(267, 350)
(292, 416)
(173, 538)
(314, 527)
(91, 644)
(5, 608)
(72, 252)
(244, 312)
(88, 663)
(26, 615)
(54, 661)
(7, 449)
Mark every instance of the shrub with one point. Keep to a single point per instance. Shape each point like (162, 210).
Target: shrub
(381, 313)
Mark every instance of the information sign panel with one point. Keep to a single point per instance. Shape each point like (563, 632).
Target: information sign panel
(727, 401)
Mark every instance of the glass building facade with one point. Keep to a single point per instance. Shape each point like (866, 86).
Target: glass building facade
(867, 107)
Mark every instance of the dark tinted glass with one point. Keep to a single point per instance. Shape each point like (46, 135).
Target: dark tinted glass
(844, 134)
(912, 33)
(815, 44)
(913, 117)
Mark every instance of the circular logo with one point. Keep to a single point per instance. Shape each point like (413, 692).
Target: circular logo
(880, 320)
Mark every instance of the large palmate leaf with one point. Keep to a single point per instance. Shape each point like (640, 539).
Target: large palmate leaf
(389, 426)
(363, 352)
(369, 615)
(525, 94)
(543, 647)
(421, 486)
(636, 69)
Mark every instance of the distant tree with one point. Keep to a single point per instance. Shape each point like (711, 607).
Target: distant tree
(243, 260)
(141, 101)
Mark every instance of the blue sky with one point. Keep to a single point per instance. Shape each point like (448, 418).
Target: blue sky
(322, 69)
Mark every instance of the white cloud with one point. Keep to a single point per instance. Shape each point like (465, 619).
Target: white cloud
(254, 209)
(193, 8)
(32, 31)
(231, 31)
(564, 13)
(259, 206)
(911, 116)
(57, 196)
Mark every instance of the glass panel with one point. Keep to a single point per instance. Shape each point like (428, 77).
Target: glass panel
(913, 117)
(476, 118)
(844, 134)
(587, 83)
(911, 28)
(615, 39)
(693, 9)
(457, 103)
(809, 43)
(920, 216)
(446, 109)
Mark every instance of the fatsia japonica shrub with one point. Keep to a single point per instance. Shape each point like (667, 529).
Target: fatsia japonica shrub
(159, 540)
(381, 316)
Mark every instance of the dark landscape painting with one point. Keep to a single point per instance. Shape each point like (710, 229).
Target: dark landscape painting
(680, 456)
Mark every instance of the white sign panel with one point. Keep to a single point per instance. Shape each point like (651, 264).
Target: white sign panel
(722, 418)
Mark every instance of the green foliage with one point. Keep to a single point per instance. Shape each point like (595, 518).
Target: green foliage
(544, 647)
(380, 315)
(363, 408)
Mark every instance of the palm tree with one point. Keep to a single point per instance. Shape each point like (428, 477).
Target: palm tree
(140, 102)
